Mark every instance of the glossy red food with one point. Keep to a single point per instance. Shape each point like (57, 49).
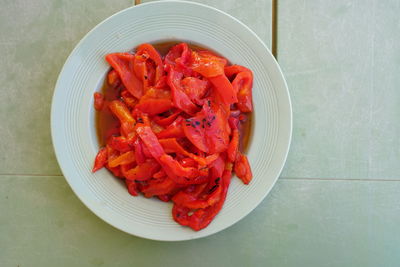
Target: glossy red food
(173, 127)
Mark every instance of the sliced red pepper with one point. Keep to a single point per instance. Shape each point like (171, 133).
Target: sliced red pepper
(160, 174)
(98, 101)
(100, 160)
(173, 130)
(224, 89)
(143, 171)
(166, 186)
(120, 143)
(230, 71)
(128, 99)
(233, 145)
(161, 83)
(140, 158)
(188, 162)
(121, 111)
(155, 106)
(150, 140)
(123, 64)
(113, 78)
(153, 55)
(128, 130)
(125, 158)
(171, 145)
(243, 84)
(242, 168)
(132, 187)
(179, 97)
(201, 218)
(178, 56)
(207, 64)
(165, 121)
(195, 88)
(208, 130)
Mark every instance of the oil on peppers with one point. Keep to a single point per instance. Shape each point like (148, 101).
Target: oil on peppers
(177, 127)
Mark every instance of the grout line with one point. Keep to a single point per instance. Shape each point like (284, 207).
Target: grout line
(34, 175)
(274, 41)
(341, 179)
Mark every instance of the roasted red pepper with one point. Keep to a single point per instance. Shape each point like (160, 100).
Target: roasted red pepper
(242, 168)
(176, 127)
(98, 101)
(101, 160)
(123, 64)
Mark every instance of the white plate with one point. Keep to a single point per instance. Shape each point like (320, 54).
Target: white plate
(73, 126)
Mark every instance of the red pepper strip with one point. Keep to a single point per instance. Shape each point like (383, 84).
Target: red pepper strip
(123, 64)
(164, 198)
(201, 218)
(165, 121)
(154, 187)
(98, 101)
(233, 122)
(224, 89)
(242, 168)
(143, 171)
(208, 130)
(188, 162)
(100, 160)
(151, 72)
(160, 174)
(195, 88)
(207, 64)
(155, 127)
(178, 56)
(150, 140)
(128, 99)
(179, 97)
(188, 201)
(233, 146)
(173, 167)
(125, 158)
(242, 84)
(155, 56)
(140, 158)
(113, 78)
(218, 166)
(173, 130)
(128, 130)
(154, 106)
(120, 143)
(140, 68)
(170, 145)
(112, 154)
(146, 151)
(132, 187)
(161, 83)
(121, 111)
(234, 69)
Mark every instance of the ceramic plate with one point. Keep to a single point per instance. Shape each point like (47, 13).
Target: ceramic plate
(73, 116)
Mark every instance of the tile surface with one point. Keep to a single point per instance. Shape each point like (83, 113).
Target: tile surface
(301, 223)
(256, 14)
(35, 39)
(342, 64)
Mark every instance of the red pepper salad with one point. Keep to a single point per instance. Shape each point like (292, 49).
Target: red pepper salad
(178, 127)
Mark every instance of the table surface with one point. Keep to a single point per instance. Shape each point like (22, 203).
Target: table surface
(337, 202)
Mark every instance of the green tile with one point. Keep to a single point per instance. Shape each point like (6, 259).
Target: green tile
(35, 39)
(301, 223)
(341, 61)
(257, 15)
